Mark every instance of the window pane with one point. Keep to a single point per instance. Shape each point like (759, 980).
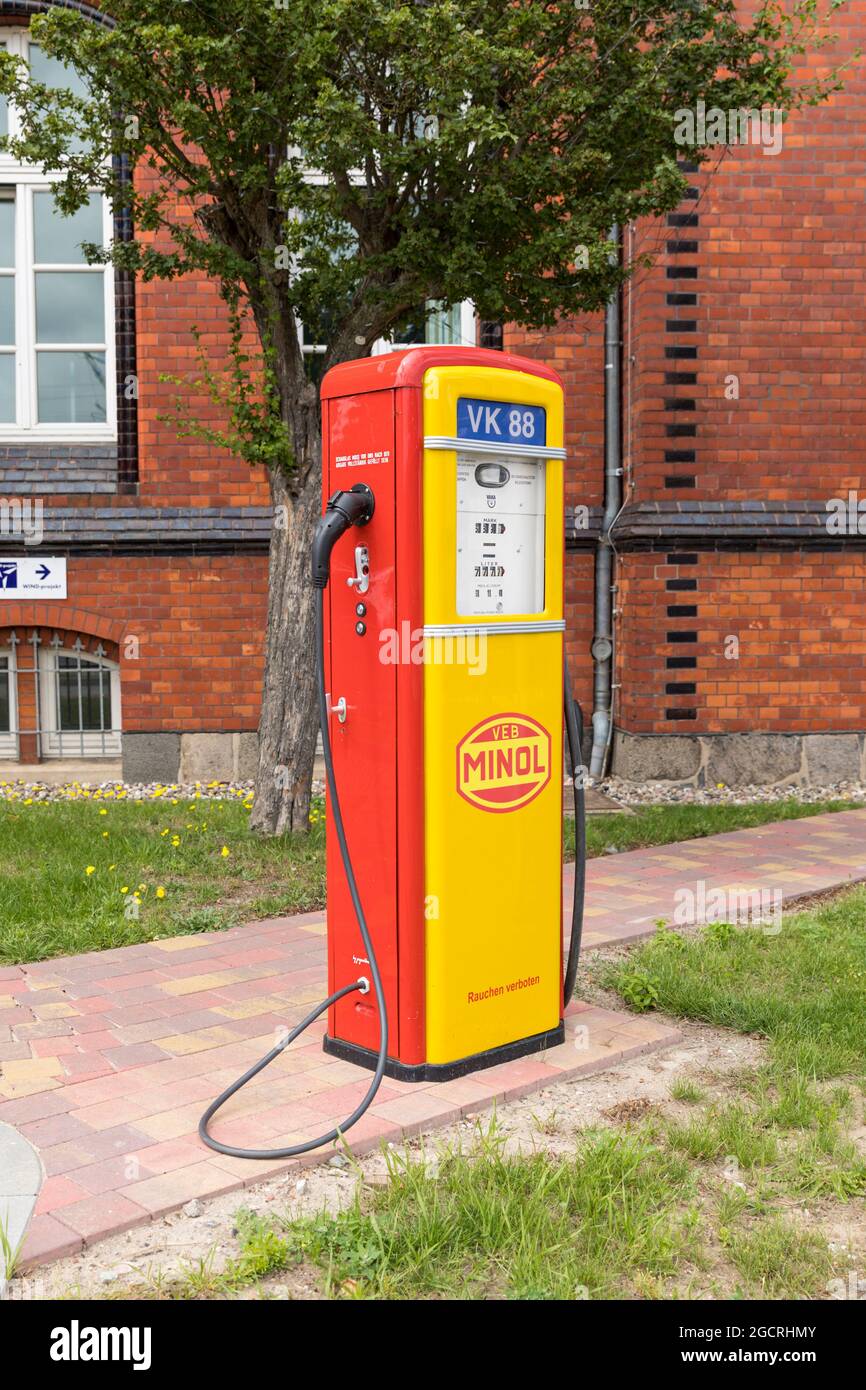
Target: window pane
(84, 697)
(52, 73)
(7, 388)
(70, 306)
(7, 310)
(58, 239)
(430, 324)
(71, 387)
(5, 710)
(443, 325)
(7, 232)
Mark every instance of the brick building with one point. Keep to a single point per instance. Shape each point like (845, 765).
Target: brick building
(738, 643)
(740, 650)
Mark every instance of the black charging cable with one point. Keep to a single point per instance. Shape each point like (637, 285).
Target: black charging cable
(345, 509)
(574, 734)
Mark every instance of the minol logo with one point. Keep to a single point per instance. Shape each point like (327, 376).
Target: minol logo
(504, 762)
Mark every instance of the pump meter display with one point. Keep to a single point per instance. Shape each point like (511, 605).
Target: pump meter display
(500, 534)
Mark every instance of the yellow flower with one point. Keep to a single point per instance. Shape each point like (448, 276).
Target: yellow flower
(105, 834)
(91, 869)
(103, 811)
(142, 888)
(160, 892)
(225, 852)
(124, 890)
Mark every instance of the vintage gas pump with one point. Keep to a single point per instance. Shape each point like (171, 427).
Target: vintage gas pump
(441, 694)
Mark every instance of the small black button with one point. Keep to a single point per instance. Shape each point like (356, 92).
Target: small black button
(361, 609)
(360, 628)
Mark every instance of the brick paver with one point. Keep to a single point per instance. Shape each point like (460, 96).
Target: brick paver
(111, 1057)
(628, 893)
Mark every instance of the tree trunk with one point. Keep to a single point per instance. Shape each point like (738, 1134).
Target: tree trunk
(289, 720)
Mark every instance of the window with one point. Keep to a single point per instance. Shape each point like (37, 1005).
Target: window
(431, 324)
(56, 311)
(8, 736)
(80, 703)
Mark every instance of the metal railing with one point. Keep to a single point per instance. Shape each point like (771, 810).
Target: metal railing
(70, 709)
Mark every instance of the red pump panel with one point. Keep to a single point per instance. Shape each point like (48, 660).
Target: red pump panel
(359, 446)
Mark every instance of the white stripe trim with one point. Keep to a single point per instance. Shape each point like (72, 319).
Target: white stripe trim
(484, 446)
(491, 629)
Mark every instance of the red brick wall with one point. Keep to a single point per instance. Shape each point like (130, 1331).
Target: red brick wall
(177, 472)
(201, 625)
(797, 619)
(198, 625)
(779, 258)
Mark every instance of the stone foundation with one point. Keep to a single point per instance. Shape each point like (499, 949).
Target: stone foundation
(222, 757)
(737, 760)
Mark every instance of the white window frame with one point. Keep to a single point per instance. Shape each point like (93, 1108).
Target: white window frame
(68, 743)
(9, 739)
(27, 180)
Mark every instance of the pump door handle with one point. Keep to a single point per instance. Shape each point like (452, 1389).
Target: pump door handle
(340, 709)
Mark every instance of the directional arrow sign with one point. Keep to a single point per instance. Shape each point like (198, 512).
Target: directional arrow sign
(24, 577)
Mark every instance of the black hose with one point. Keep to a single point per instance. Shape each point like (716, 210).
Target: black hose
(376, 983)
(574, 732)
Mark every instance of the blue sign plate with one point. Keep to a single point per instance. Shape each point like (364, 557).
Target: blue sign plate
(501, 422)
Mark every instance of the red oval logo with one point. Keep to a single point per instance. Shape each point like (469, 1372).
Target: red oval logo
(504, 762)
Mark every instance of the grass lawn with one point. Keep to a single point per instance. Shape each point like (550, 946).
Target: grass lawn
(804, 989)
(64, 865)
(70, 872)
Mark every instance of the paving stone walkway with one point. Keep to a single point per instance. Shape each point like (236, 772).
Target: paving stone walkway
(628, 893)
(107, 1060)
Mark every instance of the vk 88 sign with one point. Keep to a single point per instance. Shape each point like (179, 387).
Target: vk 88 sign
(501, 422)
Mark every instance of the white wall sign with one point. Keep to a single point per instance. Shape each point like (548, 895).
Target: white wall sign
(23, 576)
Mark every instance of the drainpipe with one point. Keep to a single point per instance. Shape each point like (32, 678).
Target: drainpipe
(602, 642)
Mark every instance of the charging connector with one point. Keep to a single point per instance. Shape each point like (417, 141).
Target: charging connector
(344, 509)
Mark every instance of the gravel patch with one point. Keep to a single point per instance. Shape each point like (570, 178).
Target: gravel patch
(668, 794)
(627, 794)
(173, 793)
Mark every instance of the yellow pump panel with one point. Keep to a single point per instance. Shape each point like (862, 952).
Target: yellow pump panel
(493, 755)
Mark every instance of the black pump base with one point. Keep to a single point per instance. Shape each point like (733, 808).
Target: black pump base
(445, 1071)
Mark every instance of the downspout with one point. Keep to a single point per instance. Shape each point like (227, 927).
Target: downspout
(602, 642)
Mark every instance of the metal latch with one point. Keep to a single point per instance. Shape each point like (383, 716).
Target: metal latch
(340, 709)
(360, 581)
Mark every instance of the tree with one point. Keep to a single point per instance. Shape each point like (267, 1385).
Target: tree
(344, 162)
